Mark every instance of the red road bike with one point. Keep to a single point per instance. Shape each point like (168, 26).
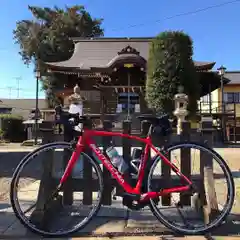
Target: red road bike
(137, 196)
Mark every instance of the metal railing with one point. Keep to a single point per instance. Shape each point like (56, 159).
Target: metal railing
(216, 107)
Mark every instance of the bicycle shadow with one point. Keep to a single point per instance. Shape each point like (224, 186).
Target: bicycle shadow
(10, 227)
(230, 227)
(149, 226)
(108, 225)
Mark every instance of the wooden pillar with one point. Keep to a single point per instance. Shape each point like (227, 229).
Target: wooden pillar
(43, 212)
(145, 125)
(235, 124)
(210, 99)
(67, 186)
(143, 103)
(209, 197)
(107, 178)
(185, 160)
(87, 172)
(126, 143)
(103, 105)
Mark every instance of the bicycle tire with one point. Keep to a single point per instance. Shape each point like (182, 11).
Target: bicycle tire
(13, 192)
(230, 200)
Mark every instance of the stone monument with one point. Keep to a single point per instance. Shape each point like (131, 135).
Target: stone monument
(181, 103)
(76, 101)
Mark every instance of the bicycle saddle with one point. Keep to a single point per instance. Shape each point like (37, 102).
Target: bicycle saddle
(154, 119)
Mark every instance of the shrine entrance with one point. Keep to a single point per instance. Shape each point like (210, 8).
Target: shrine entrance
(112, 76)
(123, 94)
(127, 86)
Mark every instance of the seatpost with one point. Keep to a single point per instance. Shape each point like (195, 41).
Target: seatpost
(150, 130)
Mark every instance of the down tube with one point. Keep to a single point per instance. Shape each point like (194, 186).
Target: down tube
(114, 172)
(171, 165)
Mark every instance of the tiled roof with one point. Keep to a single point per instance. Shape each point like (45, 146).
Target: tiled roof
(233, 76)
(22, 106)
(99, 52)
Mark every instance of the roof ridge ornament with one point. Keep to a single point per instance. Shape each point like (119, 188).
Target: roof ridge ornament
(128, 50)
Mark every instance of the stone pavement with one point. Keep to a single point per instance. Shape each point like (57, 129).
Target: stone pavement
(115, 222)
(118, 223)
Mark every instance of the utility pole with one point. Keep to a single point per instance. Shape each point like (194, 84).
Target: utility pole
(18, 81)
(10, 91)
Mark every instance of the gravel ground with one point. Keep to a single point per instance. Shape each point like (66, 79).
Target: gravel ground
(5, 186)
(7, 167)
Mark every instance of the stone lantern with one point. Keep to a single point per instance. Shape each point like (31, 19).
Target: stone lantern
(181, 103)
(76, 101)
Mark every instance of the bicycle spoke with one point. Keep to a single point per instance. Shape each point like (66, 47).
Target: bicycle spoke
(186, 218)
(30, 208)
(63, 220)
(182, 217)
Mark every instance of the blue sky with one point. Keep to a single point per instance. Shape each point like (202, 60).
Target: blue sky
(215, 32)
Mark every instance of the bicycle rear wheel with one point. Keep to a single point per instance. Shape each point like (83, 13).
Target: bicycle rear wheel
(69, 216)
(192, 221)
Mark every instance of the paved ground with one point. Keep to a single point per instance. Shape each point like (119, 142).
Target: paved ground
(117, 222)
(112, 227)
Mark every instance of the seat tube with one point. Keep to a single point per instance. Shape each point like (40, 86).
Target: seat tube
(143, 164)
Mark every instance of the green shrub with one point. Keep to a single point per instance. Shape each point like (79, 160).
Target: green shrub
(10, 116)
(170, 65)
(1, 134)
(12, 127)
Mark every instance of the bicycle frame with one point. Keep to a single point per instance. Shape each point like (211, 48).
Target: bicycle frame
(86, 140)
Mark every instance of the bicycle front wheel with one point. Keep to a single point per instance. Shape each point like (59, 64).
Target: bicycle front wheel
(64, 212)
(187, 216)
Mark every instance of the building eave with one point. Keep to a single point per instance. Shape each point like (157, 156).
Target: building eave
(112, 39)
(99, 52)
